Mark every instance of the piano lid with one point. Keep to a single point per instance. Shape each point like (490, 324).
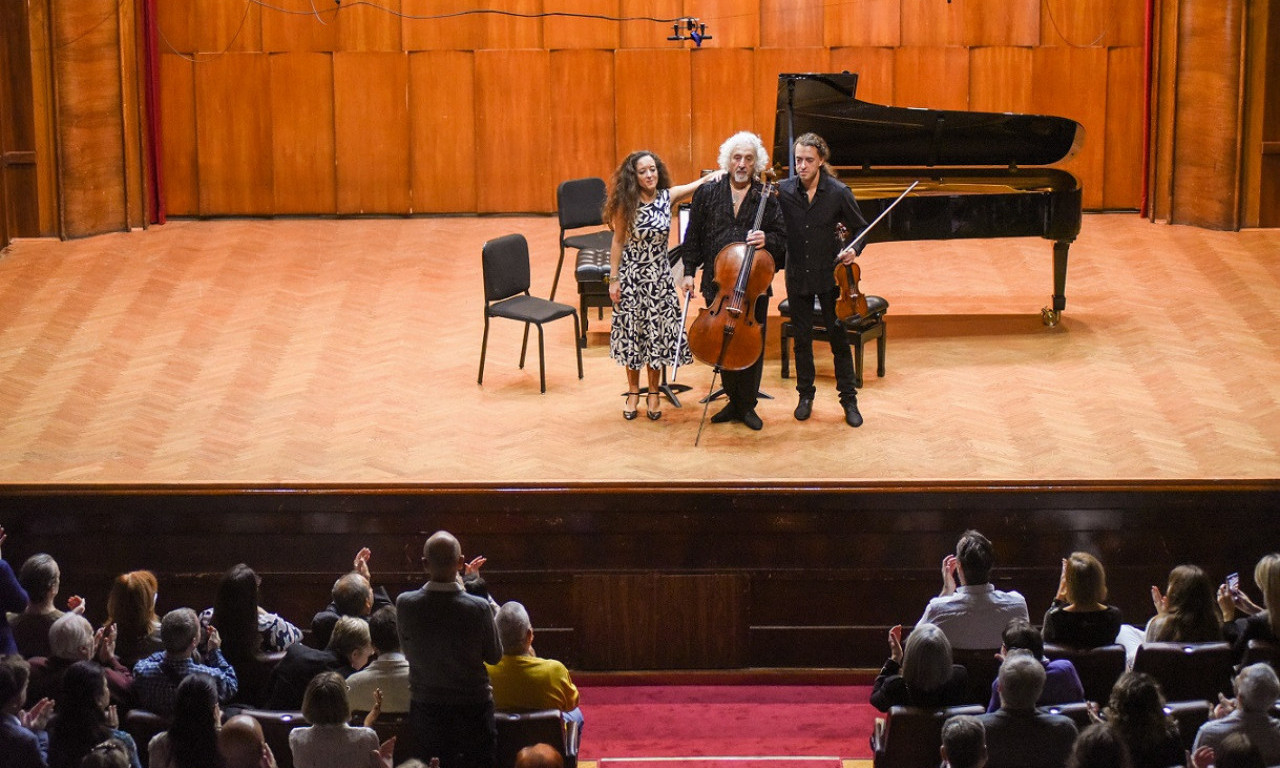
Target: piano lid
(864, 134)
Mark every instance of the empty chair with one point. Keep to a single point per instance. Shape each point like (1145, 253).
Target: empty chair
(1098, 668)
(579, 204)
(505, 264)
(1187, 671)
(911, 736)
(517, 730)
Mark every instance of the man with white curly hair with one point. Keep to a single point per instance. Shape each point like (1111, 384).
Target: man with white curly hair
(722, 213)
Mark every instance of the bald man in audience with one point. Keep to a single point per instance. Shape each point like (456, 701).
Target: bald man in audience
(242, 745)
(539, 756)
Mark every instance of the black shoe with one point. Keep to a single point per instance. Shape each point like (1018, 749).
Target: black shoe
(752, 420)
(725, 414)
(851, 415)
(804, 408)
(630, 414)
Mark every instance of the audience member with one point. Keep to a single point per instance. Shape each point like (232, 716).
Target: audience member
(974, 613)
(111, 753)
(1078, 616)
(349, 650)
(1257, 690)
(23, 741)
(922, 675)
(1188, 612)
(964, 742)
(1099, 746)
(247, 629)
(1137, 712)
(1259, 622)
(389, 672)
(1235, 751)
(40, 577)
(85, 718)
(1019, 736)
(13, 599)
(131, 606)
(539, 756)
(242, 744)
(353, 595)
(1062, 683)
(72, 639)
(192, 738)
(448, 636)
(521, 680)
(330, 742)
(156, 678)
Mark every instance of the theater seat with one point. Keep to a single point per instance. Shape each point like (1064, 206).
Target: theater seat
(275, 729)
(142, 725)
(1098, 668)
(982, 666)
(1187, 671)
(912, 736)
(517, 730)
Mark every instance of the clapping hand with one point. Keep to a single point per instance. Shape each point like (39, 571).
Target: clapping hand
(384, 755)
(361, 565)
(473, 568)
(37, 718)
(1160, 600)
(76, 605)
(950, 564)
(376, 710)
(104, 643)
(895, 643)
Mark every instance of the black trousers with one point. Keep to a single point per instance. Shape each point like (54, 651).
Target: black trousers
(802, 334)
(743, 387)
(461, 735)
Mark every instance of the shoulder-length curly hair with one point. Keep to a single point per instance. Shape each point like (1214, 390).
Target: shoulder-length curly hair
(744, 139)
(624, 193)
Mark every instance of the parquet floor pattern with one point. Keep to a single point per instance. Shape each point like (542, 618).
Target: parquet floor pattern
(346, 351)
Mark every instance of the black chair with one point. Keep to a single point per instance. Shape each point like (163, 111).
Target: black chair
(1190, 715)
(1263, 651)
(580, 204)
(142, 725)
(506, 294)
(982, 666)
(517, 730)
(911, 736)
(1187, 671)
(1078, 711)
(590, 272)
(860, 331)
(276, 725)
(254, 678)
(1098, 668)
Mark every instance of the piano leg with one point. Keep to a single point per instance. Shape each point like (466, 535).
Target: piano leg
(1050, 317)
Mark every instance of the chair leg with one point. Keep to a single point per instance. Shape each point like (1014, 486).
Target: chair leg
(524, 346)
(555, 281)
(856, 340)
(542, 362)
(582, 338)
(576, 347)
(484, 345)
(880, 343)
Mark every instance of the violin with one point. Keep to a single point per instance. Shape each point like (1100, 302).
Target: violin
(851, 302)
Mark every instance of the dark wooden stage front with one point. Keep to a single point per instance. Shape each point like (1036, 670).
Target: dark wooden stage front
(285, 392)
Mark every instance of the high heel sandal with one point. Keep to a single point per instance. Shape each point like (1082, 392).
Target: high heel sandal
(651, 413)
(631, 414)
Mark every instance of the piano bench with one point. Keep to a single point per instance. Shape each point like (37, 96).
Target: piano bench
(590, 271)
(860, 331)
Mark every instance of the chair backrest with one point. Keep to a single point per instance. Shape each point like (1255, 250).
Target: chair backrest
(1098, 668)
(1187, 671)
(579, 203)
(254, 677)
(276, 725)
(505, 264)
(517, 730)
(142, 725)
(1078, 711)
(913, 735)
(396, 725)
(1262, 651)
(982, 666)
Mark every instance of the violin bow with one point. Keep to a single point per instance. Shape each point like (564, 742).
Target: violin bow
(854, 242)
(684, 317)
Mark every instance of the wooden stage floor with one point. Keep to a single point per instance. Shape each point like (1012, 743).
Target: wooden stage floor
(346, 351)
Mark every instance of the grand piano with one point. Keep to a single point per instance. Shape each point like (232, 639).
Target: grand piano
(878, 151)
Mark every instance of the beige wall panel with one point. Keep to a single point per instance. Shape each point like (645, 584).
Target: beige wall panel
(179, 179)
(731, 23)
(1002, 22)
(559, 32)
(371, 115)
(1122, 173)
(302, 133)
(369, 28)
(725, 104)
(511, 32)
(431, 34)
(649, 34)
(442, 123)
(654, 107)
(513, 131)
(786, 23)
(864, 23)
(1080, 23)
(233, 134)
(582, 113)
(308, 25)
(771, 62)
(1072, 82)
(931, 77)
(218, 25)
(932, 23)
(1000, 79)
(874, 67)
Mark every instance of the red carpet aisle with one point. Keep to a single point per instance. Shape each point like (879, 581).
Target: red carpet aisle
(721, 762)
(725, 721)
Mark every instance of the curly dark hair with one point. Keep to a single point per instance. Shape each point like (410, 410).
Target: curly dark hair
(624, 194)
(1136, 711)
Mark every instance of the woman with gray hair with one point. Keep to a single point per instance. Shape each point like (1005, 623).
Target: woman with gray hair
(921, 674)
(72, 639)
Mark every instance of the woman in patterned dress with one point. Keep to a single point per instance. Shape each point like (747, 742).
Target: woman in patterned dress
(646, 309)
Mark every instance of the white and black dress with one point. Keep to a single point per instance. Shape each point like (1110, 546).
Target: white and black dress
(646, 322)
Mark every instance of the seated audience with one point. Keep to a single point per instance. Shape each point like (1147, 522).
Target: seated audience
(1188, 612)
(1019, 736)
(131, 606)
(349, 651)
(1235, 751)
(192, 738)
(85, 718)
(1136, 711)
(389, 672)
(156, 678)
(71, 640)
(922, 675)
(1078, 616)
(111, 753)
(23, 741)
(964, 742)
(13, 599)
(1257, 690)
(242, 744)
(1099, 746)
(539, 756)
(1259, 622)
(330, 742)
(974, 613)
(246, 627)
(1062, 684)
(353, 595)
(40, 577)
(521, 680)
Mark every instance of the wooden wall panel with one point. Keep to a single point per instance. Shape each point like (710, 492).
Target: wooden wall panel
(364, 27)
(769, 63)
(442, 123)
(511, 32)
(1163, 88)
(1000, 79)
(931, 77)
(1122, 164)
(931, 23)
(866, 23)
(653, 103)
(560, 32)
(19, 176)
(43, 115)
(792, 23)
(179, 176)
(372, 131)
(1002, 22)
(513, 131)
(722, 110)
(431, 34)
(306, 25)
(177, 23)
(302, 133)
(223, 26)
(1071, 82)
(731, 23)
(649, 34)
(1128, 24)
(874, 67)
(582, 113)
(233, 134)
(1078, 23)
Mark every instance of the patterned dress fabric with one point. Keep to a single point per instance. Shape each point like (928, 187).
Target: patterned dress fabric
(646, 322)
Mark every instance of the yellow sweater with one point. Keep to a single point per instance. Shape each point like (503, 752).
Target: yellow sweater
(527, 682)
